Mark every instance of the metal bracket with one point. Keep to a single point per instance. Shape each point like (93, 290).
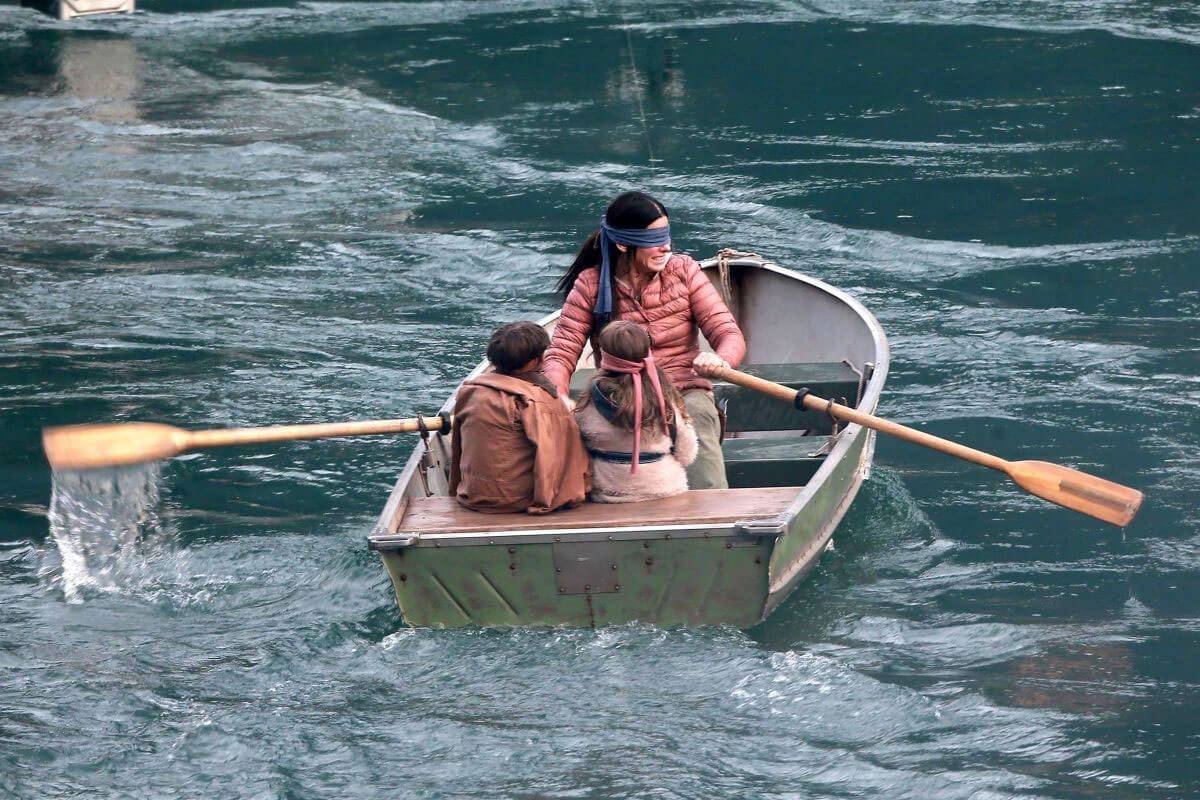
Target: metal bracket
(586, 567)
(862, 380)
(834, 434)
(426, 461)
(381, 543)
(759, 528)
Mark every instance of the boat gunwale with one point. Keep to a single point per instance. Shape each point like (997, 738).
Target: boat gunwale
(720, 530)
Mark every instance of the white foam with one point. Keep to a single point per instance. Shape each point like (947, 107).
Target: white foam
(108, 530)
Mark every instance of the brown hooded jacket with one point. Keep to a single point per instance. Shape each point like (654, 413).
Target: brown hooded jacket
(516, 448)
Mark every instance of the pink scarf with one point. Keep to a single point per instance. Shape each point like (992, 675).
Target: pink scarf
(611, 363)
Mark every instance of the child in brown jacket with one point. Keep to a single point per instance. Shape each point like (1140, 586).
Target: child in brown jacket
(516, 446)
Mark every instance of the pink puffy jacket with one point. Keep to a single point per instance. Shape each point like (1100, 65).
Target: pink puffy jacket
(672, 305)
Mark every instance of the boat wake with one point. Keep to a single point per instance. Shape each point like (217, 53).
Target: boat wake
(107, 527)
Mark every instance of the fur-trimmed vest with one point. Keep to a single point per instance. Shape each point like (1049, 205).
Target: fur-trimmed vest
(612, 481)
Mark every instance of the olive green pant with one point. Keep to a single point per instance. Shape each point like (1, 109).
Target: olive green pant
(708, 470)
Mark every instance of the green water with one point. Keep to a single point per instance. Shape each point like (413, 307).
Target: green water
(230, 214)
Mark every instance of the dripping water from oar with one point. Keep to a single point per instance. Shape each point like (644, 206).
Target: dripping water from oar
(108, 528)
(105, 505)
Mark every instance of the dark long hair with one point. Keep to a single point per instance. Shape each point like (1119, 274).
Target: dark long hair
(628, 210)
(630, 341)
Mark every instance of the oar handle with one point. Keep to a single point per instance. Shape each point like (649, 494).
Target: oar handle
(847, 414)
(74, 447)
(220, 437)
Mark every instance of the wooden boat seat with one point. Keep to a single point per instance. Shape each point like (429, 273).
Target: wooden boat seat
(748, 410)
(777, 461)
(428, 515)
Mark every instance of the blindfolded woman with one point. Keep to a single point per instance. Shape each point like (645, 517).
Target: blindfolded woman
(626, 270)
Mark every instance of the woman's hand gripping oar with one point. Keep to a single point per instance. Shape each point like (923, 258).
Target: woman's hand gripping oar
(1068, 487)
(72, 447)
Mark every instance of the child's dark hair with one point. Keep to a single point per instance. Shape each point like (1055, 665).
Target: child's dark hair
(630, 341)
(514, 345)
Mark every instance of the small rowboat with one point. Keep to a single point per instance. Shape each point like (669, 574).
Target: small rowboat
(719, 556)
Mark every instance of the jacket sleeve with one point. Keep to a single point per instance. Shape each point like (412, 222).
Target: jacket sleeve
(714, 318)
(560, 464)
(456, 447)
(571, 333)
(686, 442)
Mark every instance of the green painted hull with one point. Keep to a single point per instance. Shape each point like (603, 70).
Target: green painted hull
(819, 513)
(668, 582)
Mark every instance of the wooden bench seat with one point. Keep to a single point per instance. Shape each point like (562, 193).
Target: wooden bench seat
(428, 515)
(777, 461)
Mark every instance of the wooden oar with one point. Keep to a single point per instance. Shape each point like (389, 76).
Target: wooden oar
(107, 445)
(1068, 487)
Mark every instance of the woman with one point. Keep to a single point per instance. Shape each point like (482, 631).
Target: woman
(626, 270)
(634, 422)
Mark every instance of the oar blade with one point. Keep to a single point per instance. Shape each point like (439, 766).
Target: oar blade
(1077, 490)
(73, 447)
